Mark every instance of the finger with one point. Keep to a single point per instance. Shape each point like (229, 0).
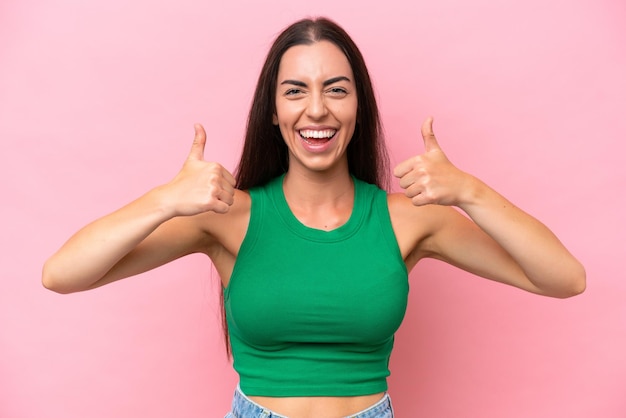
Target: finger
(199, 140)
(229, 178)
(226, 196)
(228, 187)
(407, 181)
(421, 199)
(414, 189)
(221, 199)
(404, 168)
(430, 142)
(221, 207)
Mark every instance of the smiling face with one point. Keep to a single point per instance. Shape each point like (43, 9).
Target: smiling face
(316, 106)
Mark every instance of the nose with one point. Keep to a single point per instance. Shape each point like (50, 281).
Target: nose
(316, 106)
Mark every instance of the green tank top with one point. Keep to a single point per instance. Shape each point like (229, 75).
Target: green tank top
(312, 312)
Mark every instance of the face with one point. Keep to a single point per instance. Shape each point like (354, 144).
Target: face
(316, 106)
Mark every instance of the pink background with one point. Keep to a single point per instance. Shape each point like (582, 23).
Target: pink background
(97, 103)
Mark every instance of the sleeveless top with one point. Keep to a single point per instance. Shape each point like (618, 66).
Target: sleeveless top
(313, 312)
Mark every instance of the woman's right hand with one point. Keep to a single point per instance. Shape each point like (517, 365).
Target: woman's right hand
(200, 186)
(154, 229)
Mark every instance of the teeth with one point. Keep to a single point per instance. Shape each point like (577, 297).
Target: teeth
(308, 133)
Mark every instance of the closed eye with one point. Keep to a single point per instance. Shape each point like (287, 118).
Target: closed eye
(337, 91)
(293, 92)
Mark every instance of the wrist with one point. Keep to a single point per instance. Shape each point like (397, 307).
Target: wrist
(161, 202)
(473, 191)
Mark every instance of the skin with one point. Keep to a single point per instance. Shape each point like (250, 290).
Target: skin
(201, 211)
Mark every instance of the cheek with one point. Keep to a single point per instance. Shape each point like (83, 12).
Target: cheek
(285, 130)
(284, 114)
(348, 109)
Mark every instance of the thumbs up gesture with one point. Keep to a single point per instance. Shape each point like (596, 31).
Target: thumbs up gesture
(430, 178)
(201, 186)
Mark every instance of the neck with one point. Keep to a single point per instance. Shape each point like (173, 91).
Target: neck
(317, 188)
(320, 200)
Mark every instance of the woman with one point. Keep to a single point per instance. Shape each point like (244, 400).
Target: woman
(313, 254)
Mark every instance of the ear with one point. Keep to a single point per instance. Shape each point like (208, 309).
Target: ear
(275, 119)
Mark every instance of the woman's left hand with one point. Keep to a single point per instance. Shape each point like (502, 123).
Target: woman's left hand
(498, 241)
(430, 178)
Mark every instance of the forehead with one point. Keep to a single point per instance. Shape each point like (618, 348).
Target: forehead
(317, 61)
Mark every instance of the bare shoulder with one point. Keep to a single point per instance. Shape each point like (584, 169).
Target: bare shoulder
(414, 225)
(426, 217)
(228, 229)
(225, 233)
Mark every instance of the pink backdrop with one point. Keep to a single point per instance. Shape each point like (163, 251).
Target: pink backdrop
(97, 103)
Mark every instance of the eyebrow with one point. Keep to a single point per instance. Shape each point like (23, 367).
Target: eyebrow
(325, 83)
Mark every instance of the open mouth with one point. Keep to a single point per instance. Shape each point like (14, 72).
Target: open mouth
(315, 137)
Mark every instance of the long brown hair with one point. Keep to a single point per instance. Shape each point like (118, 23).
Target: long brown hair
(265, 155)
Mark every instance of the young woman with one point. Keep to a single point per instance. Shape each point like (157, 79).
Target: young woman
(313, 254)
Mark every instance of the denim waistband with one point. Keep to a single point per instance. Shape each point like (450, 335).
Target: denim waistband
(244, 407)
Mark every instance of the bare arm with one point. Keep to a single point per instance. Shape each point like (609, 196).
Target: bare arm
(499, 241)
(158, 227)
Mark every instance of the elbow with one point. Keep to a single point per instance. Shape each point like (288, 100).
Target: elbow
(51, 281)
(579, 287)
(562, 284)
(575, 285)
(571, 291)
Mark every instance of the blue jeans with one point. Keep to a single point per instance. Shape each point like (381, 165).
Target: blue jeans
(243, 407)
